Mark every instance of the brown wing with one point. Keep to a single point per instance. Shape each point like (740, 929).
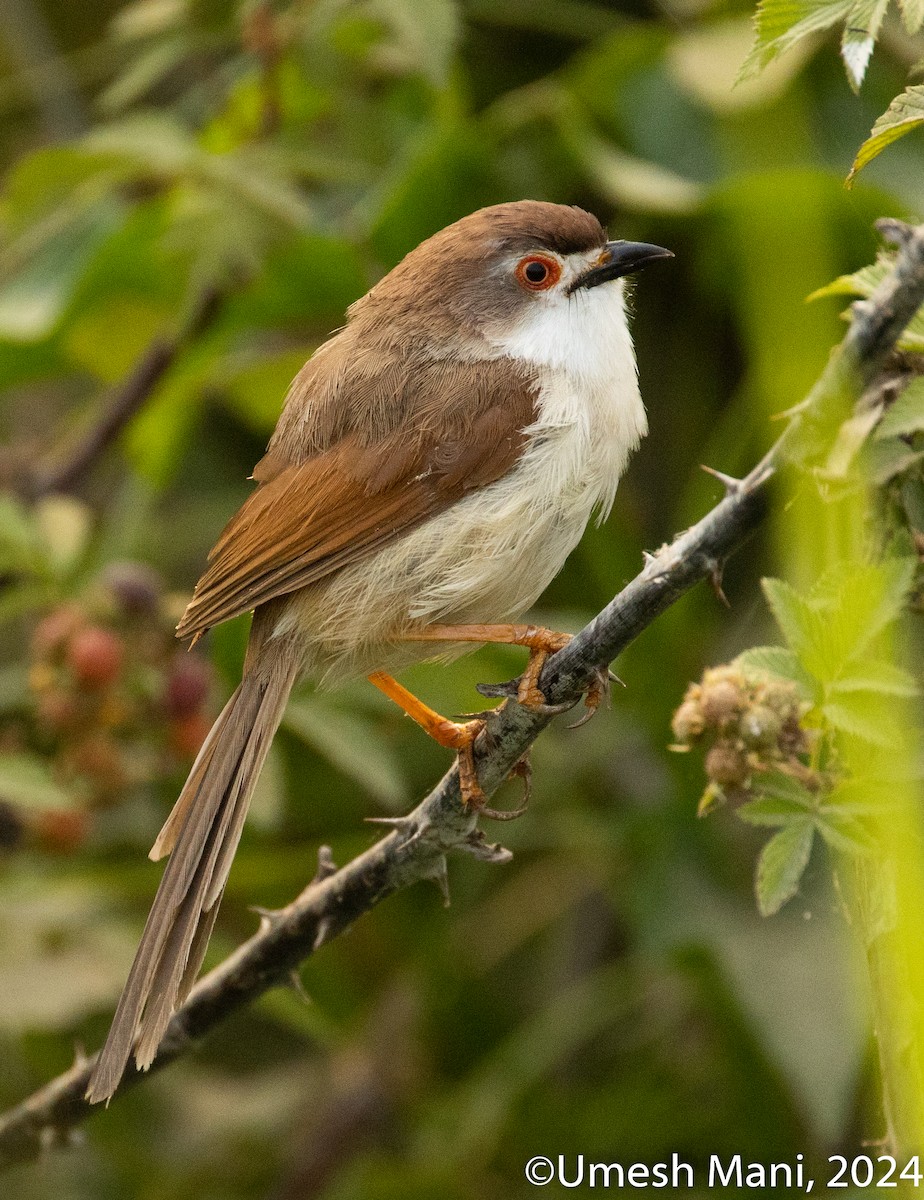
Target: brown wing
(460, 429)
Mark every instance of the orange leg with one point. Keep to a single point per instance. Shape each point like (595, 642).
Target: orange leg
(454, 736)
(541, 643)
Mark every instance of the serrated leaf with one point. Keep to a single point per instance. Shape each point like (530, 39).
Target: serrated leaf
(858, 715)
(887, 586)
(781, 865)
(784, 787)
(905, 415)
(843, 832)
(885, 460)
(859, 37)
(877, 676)
(905, 113)
(800, 622)
(848, 442)
(778, 662)
(848, 608)
(912, 14)
(778, 24)
(863, 283)
(771, 811)
(859, 283)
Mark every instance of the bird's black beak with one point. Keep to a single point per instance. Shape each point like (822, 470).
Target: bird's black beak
(618, 259)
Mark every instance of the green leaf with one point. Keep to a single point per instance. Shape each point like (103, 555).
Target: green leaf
(21, 546)
(843, 832)
(26, 779)
(846, 611)
(623, 179)
(906, 112)
(781, 865)
(912, 14)
(352, 743)
(256, 388)
(777, 662)
(889, 458)
(443, 176)
(863, 283)
(905, 415)
(863, 715)
(768, 810)
(780, 23)
(859, 37)
(800, 622)
(877, 676)
(40, 271)
(785, 788)
(878, 593)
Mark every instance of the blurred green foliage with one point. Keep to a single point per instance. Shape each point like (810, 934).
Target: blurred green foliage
(613, 992)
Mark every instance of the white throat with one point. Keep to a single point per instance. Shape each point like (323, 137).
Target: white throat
(589, 402)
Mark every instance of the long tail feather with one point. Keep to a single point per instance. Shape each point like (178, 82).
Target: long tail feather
(201, 835)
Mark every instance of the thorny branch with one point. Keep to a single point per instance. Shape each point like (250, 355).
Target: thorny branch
(418, 843)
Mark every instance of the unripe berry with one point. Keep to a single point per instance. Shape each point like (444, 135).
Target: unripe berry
(722, 700)
(760, 727)
(136, 587)
(187, 685)
(95, 656)
(726, 765)
(793, 738)
(688, 722)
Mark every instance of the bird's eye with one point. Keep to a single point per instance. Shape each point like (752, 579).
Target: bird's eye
(538, 272)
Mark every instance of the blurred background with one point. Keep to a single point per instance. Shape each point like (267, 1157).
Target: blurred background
(222, 179)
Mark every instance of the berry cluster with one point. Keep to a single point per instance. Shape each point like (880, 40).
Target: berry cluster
(115, 702)
(751, 724)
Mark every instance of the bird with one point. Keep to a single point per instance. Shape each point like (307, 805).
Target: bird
(435, 462)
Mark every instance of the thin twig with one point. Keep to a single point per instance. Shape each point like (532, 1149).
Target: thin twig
(128, 399)
(417, 846)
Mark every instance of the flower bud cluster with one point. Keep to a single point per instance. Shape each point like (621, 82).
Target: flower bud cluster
(748, 725)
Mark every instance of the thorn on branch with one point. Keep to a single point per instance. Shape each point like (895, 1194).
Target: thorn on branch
(326, 865)
(655, 564)
(715, 579)
(399, 824)
(298, 985)
(729, 482)
(439, 874)
(479, 847)
(325, 925)
(496, 691)
(269, 917)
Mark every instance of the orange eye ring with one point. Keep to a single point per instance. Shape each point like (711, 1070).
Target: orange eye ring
(538, 272)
